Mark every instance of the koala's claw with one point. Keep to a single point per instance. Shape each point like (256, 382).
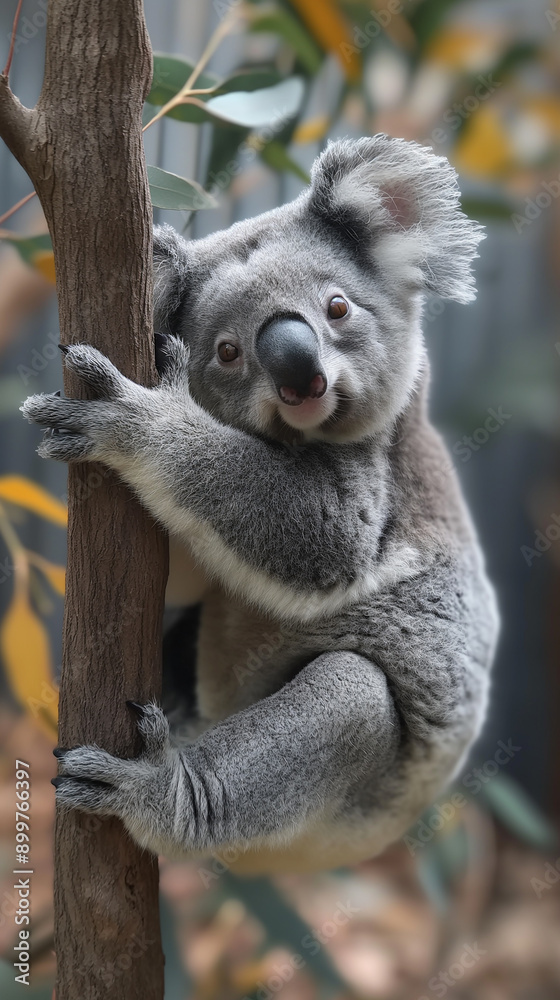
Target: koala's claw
(66, 436)
(93, 780)
(64, 446)
(135, 706)
(94, 369)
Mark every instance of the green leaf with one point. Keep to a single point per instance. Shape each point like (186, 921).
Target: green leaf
(284, 925)
(171, 75)
(236, 101)
(513, 807)
(260, 107)
(222, 161)
(276, 156)
(427, 18)
(171, 191)
(488, 208)
(516, 55)
(29, 246)
(432, 877)
(250, 79)
(284, 24)
(182, 113)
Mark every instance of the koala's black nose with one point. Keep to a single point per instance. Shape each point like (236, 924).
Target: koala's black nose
(288, 350)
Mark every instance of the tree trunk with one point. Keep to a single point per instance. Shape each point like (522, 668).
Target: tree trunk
(82, 148)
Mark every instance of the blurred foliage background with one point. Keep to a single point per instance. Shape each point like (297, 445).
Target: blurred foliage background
(244, 96)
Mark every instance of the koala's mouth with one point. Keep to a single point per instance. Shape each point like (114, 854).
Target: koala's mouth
(292, 397)
(306, 413)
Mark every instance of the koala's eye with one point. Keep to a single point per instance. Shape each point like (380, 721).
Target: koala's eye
(227, 352)
(338, 307)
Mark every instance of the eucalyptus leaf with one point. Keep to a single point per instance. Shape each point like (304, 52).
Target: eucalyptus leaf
(250, 79)
(284, 925)
(427, 18)
(29, 246)
(276, 156)
(171, 191)
(512, 806)
(488, 208)
(222, 162)
(433, 877)
(170, 76)
(287, 27)
(259, 107)
(247, 108)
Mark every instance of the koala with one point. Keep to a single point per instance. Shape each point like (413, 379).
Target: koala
(344, 626)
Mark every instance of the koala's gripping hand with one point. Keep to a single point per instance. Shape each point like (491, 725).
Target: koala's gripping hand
(259, 775)
(105, 429)
(294, 531)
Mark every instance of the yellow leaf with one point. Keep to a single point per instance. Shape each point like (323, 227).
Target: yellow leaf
(395, 26)
(25, 493)
(464, 49)
(311, 130)
(25, 648)
(56, 575)
(331, 31)
(484, 148)
(546, 108)
(44, 263)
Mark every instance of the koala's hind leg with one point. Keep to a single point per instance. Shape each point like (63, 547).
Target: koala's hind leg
(262, 775)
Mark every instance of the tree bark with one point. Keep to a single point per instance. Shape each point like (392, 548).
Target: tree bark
(82, 148)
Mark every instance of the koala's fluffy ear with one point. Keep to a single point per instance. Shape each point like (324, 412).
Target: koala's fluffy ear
(170, 276)
(400, 202)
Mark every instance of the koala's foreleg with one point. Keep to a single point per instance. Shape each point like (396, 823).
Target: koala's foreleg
(293, 531)
(262, 775)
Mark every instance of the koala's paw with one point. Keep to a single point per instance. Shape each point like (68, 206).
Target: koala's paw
(83, 429)
(139, 791)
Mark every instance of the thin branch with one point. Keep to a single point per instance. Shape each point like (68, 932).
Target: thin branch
(8, 66)
(217, 36)
(14, 208)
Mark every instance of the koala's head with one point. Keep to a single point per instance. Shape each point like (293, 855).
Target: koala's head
(304, 322)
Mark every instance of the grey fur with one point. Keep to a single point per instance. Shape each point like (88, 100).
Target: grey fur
(347, 623)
